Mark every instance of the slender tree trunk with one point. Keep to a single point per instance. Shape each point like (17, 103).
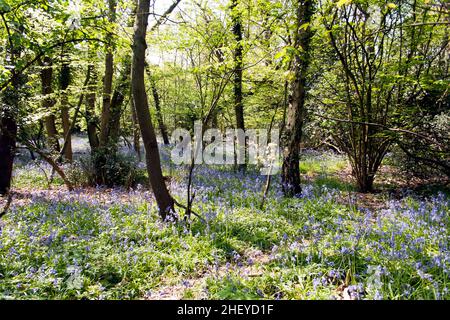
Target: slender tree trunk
(52, 133)
(215, 118)
(163, 198)
(107, 81)
(91, 119)
(8, 133)
(116, 112)
(47, 103)
(290, 176)
(237, 83)
(116, 104)
(215, 112)
(159, 118)
(64, 82)
(109, 149)
(107, 89)
(9, 110)
(136, 134)
(106, 149)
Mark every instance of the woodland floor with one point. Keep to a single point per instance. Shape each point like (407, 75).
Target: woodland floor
(330, 243)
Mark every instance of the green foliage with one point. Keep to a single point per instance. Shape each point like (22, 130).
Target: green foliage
(108, 167)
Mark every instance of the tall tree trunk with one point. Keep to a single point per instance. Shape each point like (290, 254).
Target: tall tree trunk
(163, 198)
(159, 118)
(106, 149)
(47, 103)
(237, 83)
(64, 82)
(116, 112)
(116, 104)
(215, 118)
(107, 80)
(52, 132)
(109, 149)
(91, 119)
(9, 110)
(107, 89)
(8, 134)
(290, 176)
(136, 134)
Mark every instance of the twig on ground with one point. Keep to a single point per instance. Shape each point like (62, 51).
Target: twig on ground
(191, 211)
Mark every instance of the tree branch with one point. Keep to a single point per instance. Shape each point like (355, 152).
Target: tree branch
(380, 125)
(164, 16)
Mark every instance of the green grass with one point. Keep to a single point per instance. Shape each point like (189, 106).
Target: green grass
(35, 176)
(312, 164)
(334, 183)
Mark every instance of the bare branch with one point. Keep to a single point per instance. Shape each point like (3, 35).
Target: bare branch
(164, 17)
(382, 126)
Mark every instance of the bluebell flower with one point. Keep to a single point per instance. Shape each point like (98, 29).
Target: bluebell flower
(378, 295)
(316, 282)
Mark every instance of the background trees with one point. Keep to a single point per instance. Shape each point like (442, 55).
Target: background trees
(376, 76)
(364, 77)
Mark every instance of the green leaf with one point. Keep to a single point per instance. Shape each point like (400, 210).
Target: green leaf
(391, 5)
(341, 3)
(280, 54)
(305, 26)
(4, 7)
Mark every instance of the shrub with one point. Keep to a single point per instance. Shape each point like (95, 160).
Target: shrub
(112, 169)
(78, 175)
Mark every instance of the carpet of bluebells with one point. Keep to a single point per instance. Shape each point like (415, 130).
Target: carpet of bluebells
(101, 243)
